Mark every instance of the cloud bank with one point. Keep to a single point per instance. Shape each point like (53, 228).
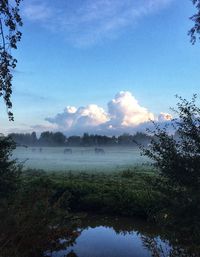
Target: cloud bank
(123, 114)
(88, 22)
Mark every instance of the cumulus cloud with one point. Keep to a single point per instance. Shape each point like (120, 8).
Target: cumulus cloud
(124, 110)
(88, 22)
(164, 117)
(123, 114)
(72, 119)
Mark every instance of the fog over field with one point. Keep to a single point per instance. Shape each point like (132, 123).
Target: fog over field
(79, 158)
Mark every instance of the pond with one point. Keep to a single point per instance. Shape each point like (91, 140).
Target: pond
(119, 237)
(79, 158)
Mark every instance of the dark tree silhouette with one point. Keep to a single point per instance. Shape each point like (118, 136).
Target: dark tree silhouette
(9, 169)
(178, 159)
(195, 30)
(10, 21)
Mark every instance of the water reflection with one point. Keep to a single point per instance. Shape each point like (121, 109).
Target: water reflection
(102, 241)
(121, 237)
(158, 249)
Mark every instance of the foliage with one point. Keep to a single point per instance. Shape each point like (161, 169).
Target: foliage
(59, 139)
(9, 169)
(10, 20)
(195, 30)
(178, 161)
(52, 139)
(113, 193)
(29, 205)
(36, 221)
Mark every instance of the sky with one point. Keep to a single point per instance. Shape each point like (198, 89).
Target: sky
(101, 66)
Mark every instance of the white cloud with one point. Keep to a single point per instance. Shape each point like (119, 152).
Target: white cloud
(164, 117)
(88, 22)
(125, 110)
(83, 118)
(123, 114)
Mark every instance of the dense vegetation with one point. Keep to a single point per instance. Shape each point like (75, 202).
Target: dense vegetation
(59, 139)
(178, 163)
(129, 193)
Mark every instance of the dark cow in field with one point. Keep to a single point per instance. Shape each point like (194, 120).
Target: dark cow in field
(99, 151)
(67, 151)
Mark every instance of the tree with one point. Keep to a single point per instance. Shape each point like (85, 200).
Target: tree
(9, 169)
(195, 30)
(178, 159)
(10, 20)
(33, 138)
(59, 139)
(86, 140)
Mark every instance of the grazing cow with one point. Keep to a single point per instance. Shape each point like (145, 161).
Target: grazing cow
(99, 151)
(40, 150)
(67, 151)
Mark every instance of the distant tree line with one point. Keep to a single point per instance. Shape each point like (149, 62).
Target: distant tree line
(59, 139)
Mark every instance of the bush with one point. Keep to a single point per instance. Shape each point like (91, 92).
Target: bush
(9, 169)
(30, 205)
(178, 157)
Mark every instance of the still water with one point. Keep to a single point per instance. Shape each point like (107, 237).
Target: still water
(116, 237)
(79, 159)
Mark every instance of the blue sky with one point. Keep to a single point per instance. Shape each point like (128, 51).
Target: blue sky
(83, 53)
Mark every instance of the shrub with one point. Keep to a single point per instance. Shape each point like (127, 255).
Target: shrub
(178, 157)
(9, 169)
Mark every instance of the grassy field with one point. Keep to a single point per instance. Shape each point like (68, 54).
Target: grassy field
(128, 193)
(81, 158)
